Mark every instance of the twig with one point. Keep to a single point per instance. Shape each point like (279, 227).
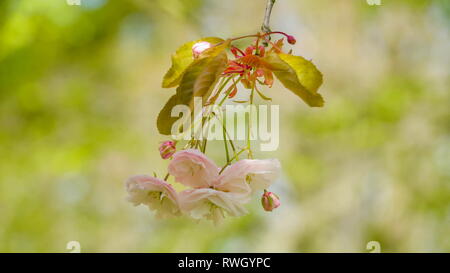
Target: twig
(265, 26)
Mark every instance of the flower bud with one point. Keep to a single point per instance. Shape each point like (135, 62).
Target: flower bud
(270, 201)
(291, 39)
(167, 149)
(199, 47)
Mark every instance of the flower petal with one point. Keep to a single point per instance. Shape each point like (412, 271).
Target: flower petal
(154, 193)
(249, 175)
(203, 203)
(233, 180)
(192, 168)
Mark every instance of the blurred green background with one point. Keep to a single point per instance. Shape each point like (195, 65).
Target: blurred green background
(80, 91)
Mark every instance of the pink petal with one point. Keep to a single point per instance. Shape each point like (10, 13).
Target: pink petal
(192, 168)
(233, 180)
(198, 202)
(253, 173)
(139, 186)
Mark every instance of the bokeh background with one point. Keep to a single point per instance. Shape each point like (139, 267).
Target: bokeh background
(80, 91)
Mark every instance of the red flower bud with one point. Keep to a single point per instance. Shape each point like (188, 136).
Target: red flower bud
(270, 201)
(291, 39)
(167, 149)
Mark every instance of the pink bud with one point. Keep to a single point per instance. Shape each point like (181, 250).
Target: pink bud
(167, 149)
(270, 201)
(199, 47)
(291, 39)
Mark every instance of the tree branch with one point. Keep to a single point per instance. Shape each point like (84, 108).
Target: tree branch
(265, 26)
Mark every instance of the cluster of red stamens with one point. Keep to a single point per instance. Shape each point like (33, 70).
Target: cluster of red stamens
(250, 65)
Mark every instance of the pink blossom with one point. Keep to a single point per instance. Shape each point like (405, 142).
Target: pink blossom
(154, 193)
(259, 174)
(193, 169)
(210, 204)
(215, 194)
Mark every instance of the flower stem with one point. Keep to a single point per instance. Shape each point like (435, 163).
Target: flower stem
(222, 84)
(230, 89)
(202, 145)
(225, 142)
(224, 128)
(265, 26)
(233, 158)
(205, 138)
(245, 36)
(249, 125)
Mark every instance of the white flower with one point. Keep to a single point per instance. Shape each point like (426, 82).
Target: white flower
(215, 193)
(154, 193)
(210, 204)
(192, 168)
(259, 174)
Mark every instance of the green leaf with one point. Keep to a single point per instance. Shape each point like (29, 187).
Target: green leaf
(201, 77)
(165, 120)
(198, 80)
(298, 75)
(181, 59)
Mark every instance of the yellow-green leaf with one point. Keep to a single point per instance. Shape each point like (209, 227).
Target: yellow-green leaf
(201, 76)
(298, 75)
(181, 59)
(198, 80)
(165, 120)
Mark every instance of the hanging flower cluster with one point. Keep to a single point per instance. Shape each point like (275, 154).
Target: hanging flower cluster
(212, 193)
(204, 69)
